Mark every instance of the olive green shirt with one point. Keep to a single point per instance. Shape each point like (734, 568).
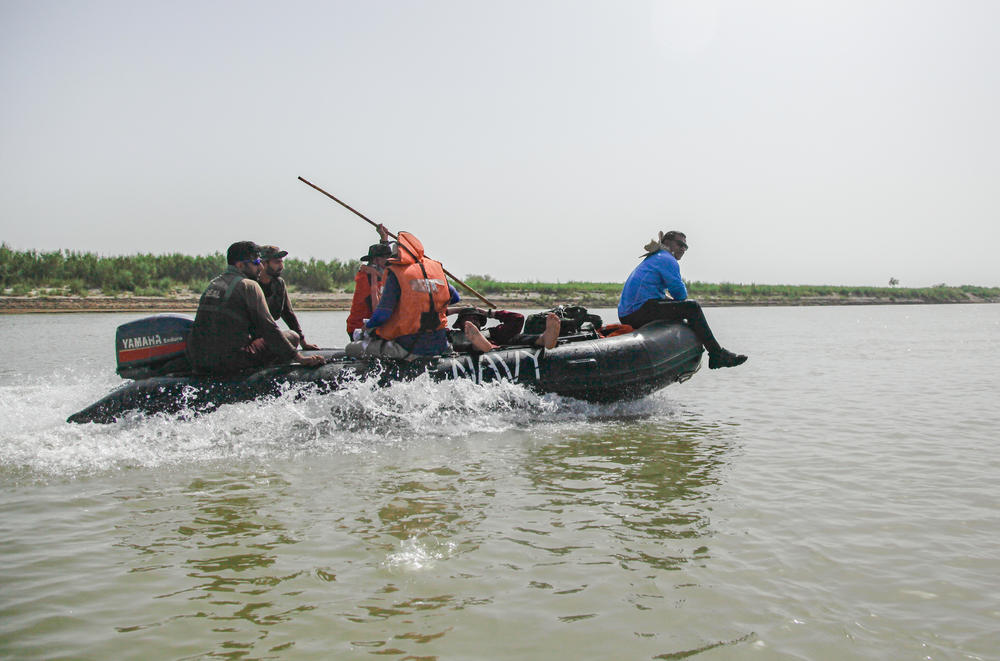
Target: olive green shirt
(231, 313)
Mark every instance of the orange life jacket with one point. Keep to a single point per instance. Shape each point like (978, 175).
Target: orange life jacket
(423, 287)
(367, 290)
(611, 330)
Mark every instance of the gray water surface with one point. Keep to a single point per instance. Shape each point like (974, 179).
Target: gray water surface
(834, 498)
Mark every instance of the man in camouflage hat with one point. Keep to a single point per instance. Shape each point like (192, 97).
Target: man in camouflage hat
(276, 293)
(231, 313)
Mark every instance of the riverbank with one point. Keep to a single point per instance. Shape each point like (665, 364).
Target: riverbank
(325, 301)
(68, 281)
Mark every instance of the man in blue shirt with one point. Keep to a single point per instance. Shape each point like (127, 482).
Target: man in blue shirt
(643, 299)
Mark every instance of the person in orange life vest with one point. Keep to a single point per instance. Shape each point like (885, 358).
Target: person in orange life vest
(411, 318)
(368, 283)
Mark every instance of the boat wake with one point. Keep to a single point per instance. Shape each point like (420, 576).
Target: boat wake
(361, 417)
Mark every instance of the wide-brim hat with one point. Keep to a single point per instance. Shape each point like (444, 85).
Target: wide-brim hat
(272, 252)
(377, 250)
(469, 314)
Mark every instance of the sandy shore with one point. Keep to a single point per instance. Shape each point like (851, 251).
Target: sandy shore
(342, 301)
(124, 303)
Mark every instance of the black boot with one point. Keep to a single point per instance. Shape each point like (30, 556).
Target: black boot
(723, 358)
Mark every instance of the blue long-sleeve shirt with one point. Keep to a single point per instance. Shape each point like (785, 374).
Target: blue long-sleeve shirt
(422, 344)
(654, 275)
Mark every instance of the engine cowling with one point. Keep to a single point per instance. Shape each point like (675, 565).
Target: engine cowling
(146, 345)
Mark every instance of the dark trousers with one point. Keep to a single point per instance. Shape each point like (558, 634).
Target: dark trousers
(667, 310)
(238, 361)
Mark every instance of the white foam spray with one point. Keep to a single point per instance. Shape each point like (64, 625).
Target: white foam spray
(36, 441)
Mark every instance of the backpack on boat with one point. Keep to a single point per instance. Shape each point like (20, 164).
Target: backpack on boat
(573, 319)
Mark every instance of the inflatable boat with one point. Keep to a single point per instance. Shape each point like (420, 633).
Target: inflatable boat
(583, 366)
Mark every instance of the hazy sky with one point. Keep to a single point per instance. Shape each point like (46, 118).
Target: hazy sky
(801, 142)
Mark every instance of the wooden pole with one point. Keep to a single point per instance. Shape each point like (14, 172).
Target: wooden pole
(375, 225)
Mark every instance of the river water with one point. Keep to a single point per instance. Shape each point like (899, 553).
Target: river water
(834, 498)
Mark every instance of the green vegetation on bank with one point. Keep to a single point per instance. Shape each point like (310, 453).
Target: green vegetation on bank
(941, 293)
(606, 293)
(78, 273)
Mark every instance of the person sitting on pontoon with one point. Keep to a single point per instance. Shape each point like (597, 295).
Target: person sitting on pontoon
(410, 320)
(471, 331)
(644, 297)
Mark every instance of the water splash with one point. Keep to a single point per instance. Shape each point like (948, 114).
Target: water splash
(361, 417)
(419, 553)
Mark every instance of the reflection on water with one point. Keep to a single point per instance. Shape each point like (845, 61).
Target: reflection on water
(647, 483)
(422, 502)
(556, 524)
(535, 534)
(425, 519)
(219, 550)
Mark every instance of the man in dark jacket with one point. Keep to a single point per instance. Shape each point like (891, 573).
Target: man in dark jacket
(231, 313)
(276, 294)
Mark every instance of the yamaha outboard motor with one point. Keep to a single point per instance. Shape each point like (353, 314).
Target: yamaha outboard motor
(153, 346)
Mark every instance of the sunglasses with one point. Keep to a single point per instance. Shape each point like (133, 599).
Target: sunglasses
(680, 243)
(255, 261)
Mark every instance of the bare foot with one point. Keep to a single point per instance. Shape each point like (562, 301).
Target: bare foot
(549, 338)
(476, 337)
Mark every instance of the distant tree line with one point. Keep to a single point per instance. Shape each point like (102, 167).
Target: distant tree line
(608, 292)
(78, 272)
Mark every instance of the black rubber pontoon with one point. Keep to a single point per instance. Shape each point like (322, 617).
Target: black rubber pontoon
(617, 368)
